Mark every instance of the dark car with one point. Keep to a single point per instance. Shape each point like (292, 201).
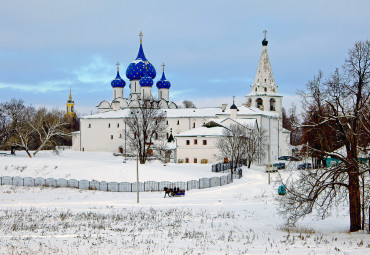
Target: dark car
(279, 165)
(304, 166)
(285, 158)
(295, 158)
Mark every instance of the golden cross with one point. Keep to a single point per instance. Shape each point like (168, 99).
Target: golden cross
(265, 32)
(141, 37)
(117, 66)
(163, 65)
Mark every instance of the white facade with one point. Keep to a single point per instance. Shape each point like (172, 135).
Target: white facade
(106, 130)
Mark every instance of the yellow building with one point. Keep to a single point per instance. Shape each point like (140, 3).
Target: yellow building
(70, 106)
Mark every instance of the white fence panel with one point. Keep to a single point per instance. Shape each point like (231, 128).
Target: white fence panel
(193, 184)
(180, 185)
(229, 180)
(223, 180)
(203, 183)
(39, 181)
(214, 182)
(62, 183)
(103, 186)
(28, 182)
(72, 183)
(163, 184)
(124, 187)
(50, 182)
(113, 186)
(151, 186)
(84, 184)
(17, 181)
(94, 185)
(141, 187)
(6, 180)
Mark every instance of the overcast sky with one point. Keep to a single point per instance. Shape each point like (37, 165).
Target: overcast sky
(211, 48)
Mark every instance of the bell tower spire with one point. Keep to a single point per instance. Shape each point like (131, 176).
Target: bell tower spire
(264, 91)
(70, 105)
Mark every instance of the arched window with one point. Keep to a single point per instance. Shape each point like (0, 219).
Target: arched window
(272, 104)
(72, 108)
(259, 102)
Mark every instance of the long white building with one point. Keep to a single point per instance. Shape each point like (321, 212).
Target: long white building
(106, 130)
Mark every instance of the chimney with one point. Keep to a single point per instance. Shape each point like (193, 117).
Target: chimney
(223, 107)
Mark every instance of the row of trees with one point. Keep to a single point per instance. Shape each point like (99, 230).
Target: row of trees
(336, 124)
(30, 128)
(242, 144)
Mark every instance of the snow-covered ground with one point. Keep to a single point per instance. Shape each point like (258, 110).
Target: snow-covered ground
(239, 218)
(100, 166)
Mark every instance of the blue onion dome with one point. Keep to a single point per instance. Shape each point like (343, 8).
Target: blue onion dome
(136, 69)
(146, 80)
(163, 83)
(118, 82)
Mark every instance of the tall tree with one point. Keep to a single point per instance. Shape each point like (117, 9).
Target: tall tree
(146, 124)
(337, 119)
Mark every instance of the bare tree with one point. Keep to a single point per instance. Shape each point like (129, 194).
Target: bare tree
(146, 124)
(19, 131)
(232, 143)
(188, 104)
(47, 125)
(338, 116)
(255, 145)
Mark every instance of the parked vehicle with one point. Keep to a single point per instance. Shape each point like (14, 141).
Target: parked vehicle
(295, 158)
(270, 168)
(279, 165)
(285, 158)
(304, 166)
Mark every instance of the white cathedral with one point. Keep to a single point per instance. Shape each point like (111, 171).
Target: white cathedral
(193, 143)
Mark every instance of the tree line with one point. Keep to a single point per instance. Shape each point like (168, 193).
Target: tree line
(33, 128)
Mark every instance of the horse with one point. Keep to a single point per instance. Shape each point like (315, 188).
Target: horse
(168, 192)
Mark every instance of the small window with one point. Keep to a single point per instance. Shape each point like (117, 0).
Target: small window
(111, 137)
(167, 122)
(89, 125)
(186, 160)
(187, 142)
(265, 80)
(195, 141)
(194, 125)
(178, 122)
(195, 160)
(120, 135)
(256, 89)
(265, 89)
(204, 142)
(108, 125)
(118, 125)
(167, 135)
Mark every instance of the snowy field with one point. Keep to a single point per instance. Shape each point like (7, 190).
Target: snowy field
(100, 166)
(239, 218)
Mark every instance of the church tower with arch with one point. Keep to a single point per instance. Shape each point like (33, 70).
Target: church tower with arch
(70, 105)
(264, 91)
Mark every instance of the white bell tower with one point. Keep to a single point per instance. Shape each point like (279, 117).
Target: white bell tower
(264, 91)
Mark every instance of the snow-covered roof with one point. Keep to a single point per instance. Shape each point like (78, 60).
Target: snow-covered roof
(202, 131)
(210, 112)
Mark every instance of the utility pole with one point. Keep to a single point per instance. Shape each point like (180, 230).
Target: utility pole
(137, 176)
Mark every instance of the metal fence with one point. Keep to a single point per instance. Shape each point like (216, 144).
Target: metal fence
(223, 167)
(119, 186)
